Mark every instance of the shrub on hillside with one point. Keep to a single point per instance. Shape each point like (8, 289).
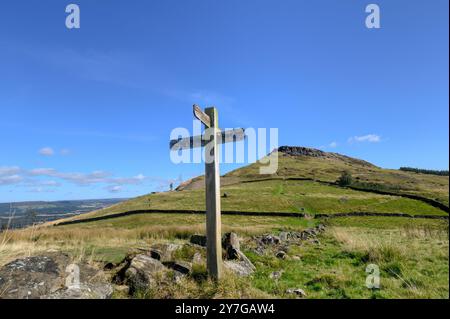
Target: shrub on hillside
(345, 179)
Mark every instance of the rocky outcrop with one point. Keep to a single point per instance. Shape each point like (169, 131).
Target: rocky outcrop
(230, 242)
(312, 152)
(301, 151)
(236, 261)
(142, 272)
(279, 245)
(296, 291)
(164, 252)
(52, 276)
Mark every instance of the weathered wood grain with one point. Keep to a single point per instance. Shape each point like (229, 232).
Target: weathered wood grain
(228, 136)
(213, 214)
(199, 114)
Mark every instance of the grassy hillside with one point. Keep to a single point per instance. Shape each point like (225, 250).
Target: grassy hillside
(412, 253)
(327, 167)
(247, 190)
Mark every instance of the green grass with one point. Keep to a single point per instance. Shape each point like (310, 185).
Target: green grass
(279, 196)
(328, 169)
(412, 253)
(413, 262)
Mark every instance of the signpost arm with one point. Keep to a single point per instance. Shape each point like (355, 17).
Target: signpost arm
(213, 213)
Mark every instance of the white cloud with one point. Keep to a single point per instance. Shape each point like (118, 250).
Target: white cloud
(370, 138)
(64, 151)
(96, 177)
(46, 151)
(114, 189)
(41, 190)
(45, 179)
(9, 170)
(333, 144)
(10, 179)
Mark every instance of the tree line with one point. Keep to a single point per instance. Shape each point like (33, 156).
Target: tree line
(424, 171)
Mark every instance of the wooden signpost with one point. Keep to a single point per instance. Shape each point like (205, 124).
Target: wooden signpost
(211, 140)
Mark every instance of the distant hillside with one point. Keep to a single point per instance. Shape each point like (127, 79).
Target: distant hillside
(21, 214)
(425, 171)
(305, 183)
(309, 163)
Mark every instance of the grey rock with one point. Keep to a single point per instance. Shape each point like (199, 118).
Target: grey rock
(276, 274)
(259, 250)
(51, 276)
(281, 254)
(284, 236)
(85, 291)
(182, 267)
(142, 272)
(238, 267)
(244, 260)
(297, 291)
(270, 239)
(230, 242)
(164, 252)
(242, 267)
(197, 259)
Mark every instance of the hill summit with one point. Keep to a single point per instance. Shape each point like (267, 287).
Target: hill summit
(312, 152)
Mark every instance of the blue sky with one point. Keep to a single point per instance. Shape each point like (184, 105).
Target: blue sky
(87, 113)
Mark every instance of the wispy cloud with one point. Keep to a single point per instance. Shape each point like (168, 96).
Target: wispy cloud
(9, 170)
(10, 179)
(369, 138)
(41, 190)
(114, 189)
(47, 151)
(330, 145)
(64, 151)
(36, 178)
(85, 179)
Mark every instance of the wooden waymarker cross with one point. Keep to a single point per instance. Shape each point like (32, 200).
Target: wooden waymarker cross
(211, 139)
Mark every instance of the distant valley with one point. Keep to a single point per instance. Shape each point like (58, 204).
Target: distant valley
(22, 214)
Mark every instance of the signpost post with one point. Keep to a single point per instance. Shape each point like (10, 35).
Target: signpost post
(211, 140)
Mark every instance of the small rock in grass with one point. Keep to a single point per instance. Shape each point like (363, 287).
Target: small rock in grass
(197, 259)
(270, 239)
(281, 254)
(276, 274)
(142, 271)
(238, 267)
(182, 267)
(284, 236)
(230, 242)
(164, 252)
(299, 292)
